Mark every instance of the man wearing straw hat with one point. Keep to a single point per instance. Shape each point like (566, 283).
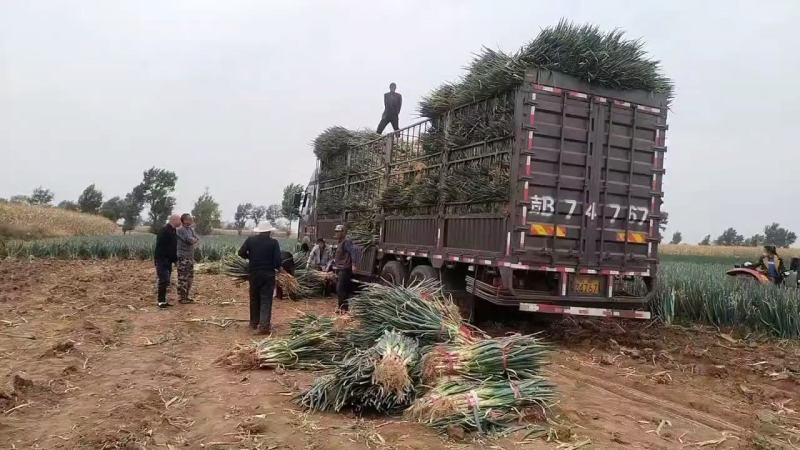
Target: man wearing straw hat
(264, 254)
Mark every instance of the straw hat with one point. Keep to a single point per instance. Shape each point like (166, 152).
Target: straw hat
(263, 228)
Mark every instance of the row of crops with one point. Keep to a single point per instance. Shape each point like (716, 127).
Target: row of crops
(689, 289)
(136, 246)
(701, 292)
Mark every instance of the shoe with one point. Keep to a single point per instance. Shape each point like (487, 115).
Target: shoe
(262, 331)
(186, 301)
(164, 305)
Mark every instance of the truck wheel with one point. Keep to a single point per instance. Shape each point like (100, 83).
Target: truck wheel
(394, 273)
(422, 273)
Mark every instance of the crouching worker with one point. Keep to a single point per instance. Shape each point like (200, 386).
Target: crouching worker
(264, 254)
(287, 265)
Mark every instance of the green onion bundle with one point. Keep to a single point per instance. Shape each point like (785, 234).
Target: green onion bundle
(310, 322)
(583, 51)
(378, 379)
(483, 406)
(478, 184)
(308, 350)
(516, 356)
(418, 310)
(236, 267)
(211, 268)
(290, 286)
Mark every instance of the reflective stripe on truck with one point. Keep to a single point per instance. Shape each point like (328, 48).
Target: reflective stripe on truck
(583, 311)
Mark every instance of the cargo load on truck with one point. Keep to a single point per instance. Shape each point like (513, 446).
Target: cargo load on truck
(534, 182)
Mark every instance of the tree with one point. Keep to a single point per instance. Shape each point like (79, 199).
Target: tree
(241, 216)
(755, 240)
(112, 209)
(90, 200)
(206, 213)
(41, 196)
(287, 206)
(158, 185)
(729, 238)
(778, 236)
(274, 212)
(132, 208)
(257, 214)
(19, 199)
(677, 237)
(706, 240)
(68, 205)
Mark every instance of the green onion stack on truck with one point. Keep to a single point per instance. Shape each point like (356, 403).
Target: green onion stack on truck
(535, 182)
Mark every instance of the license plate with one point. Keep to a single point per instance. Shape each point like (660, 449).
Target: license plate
(587, 285)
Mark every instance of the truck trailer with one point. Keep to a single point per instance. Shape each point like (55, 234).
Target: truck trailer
(545, 198)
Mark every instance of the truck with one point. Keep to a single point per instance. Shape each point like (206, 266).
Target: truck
(555, 207)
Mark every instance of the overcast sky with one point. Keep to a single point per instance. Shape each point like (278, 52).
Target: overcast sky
(229, 94)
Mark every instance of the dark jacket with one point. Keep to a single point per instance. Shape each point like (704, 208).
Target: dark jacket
(263, 252)
(392, 102)
(343, 258)
(166, 244)
(287, 262)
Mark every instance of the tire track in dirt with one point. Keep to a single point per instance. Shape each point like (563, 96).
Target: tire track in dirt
(633, 394)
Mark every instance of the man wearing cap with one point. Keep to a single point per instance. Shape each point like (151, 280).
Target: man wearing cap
(343, 263)
(264, 255)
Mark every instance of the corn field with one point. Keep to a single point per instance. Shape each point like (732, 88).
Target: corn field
(28, 221)
(717, 253)
(137, 246)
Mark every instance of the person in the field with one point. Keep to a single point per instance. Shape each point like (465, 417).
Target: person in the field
(771, 264)
(392, 103)
(264, 256)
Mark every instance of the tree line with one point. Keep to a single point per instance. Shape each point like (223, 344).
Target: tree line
(156, 192)
(248, 211)
(774, 234)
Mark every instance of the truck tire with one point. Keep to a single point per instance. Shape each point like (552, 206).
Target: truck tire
(394, 272)
(422, 273)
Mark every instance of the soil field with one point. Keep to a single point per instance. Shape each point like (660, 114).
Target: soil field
(88, 361)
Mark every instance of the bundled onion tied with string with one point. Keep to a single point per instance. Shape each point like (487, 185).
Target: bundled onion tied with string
(483, 405)
(516, 356)
(377, 379)
(314, 342)
(418, 310)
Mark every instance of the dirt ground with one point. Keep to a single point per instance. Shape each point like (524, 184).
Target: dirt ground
(87, 361)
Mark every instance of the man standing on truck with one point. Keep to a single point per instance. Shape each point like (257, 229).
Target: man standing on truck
(392, 102)
(343, 263)
(264, 255)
